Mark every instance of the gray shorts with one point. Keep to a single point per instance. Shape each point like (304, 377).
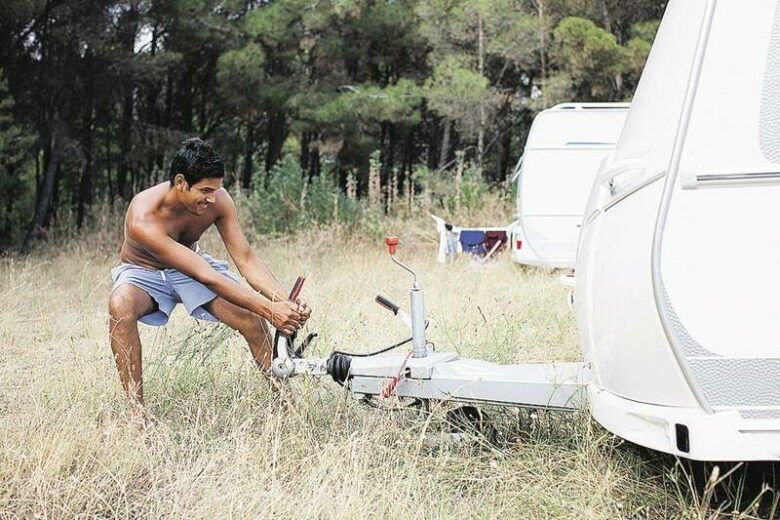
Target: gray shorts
(169, 287)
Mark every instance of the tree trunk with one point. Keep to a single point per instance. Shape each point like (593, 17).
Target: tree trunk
(107, 145)
(543, 51)
(127, 41)
(43, 204)
(431, 129)
(86, 184)
(125, 143)
(277, 131)
(185, 97)
(389, 162)
(88, 145)
(406, 157)
(482, 120)
(167, 115)
(38, 179)
(504, 172)
(303, 160)
(605, 18)
(382, 151)
(314, 165)
(249, 150)
(445, 144)
(5, 237)
(55, 197)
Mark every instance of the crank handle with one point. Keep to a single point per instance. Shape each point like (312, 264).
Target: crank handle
(392, 243)
(283, 364)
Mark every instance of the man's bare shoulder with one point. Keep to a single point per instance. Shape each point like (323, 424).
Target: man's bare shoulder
(142, 211)
(224, 204)
(148, 199)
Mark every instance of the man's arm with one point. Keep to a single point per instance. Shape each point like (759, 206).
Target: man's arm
(249, 265)
(283, 315)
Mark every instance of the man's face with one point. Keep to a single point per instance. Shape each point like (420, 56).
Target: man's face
(201, 195)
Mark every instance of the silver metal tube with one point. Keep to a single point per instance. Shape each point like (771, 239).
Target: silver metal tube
(401, 264)
(419, 348)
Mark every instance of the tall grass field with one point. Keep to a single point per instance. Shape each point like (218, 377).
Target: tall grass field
(226, 445)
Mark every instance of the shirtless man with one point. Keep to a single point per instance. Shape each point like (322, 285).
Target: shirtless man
(162, 265)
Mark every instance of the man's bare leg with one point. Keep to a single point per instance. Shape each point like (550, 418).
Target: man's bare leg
(254, 329)
(126, 304)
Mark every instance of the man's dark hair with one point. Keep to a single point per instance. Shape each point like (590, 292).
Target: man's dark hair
(196, 160)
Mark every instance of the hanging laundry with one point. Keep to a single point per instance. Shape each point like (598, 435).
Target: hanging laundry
(495, 237)
(452, 242)
(473, 241)
(485, 242)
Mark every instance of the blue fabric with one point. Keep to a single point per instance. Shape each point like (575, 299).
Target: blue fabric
(473, 241)
(169, 287)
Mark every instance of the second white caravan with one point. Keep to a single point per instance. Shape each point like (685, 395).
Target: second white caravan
(564, 149)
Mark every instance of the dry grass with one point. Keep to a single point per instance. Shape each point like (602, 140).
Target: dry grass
(227, 447)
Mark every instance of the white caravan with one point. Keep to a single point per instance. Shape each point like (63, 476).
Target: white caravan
(677, 300)
(564, 149)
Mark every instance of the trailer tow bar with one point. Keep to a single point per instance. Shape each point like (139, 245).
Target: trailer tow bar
(428, 375)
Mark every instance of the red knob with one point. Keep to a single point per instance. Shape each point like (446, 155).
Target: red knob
(391, 243)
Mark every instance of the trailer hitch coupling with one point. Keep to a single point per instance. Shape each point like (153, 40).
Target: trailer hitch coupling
(338, 366)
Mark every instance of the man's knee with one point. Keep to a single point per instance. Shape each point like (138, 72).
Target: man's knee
(126, 304)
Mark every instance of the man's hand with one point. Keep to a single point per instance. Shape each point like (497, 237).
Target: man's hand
(285, 317)
(304, 310)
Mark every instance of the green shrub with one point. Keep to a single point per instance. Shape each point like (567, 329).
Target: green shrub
(473, 189)
(292, 201)
(439, 189)
(285, 200)
(279, 207)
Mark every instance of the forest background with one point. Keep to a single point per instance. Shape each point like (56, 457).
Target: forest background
(323, 109)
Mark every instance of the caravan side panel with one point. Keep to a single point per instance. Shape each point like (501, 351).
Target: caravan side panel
(624, 335)
(721, 242)
(616, 310)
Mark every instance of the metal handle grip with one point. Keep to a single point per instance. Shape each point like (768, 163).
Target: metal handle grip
(387, 304)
